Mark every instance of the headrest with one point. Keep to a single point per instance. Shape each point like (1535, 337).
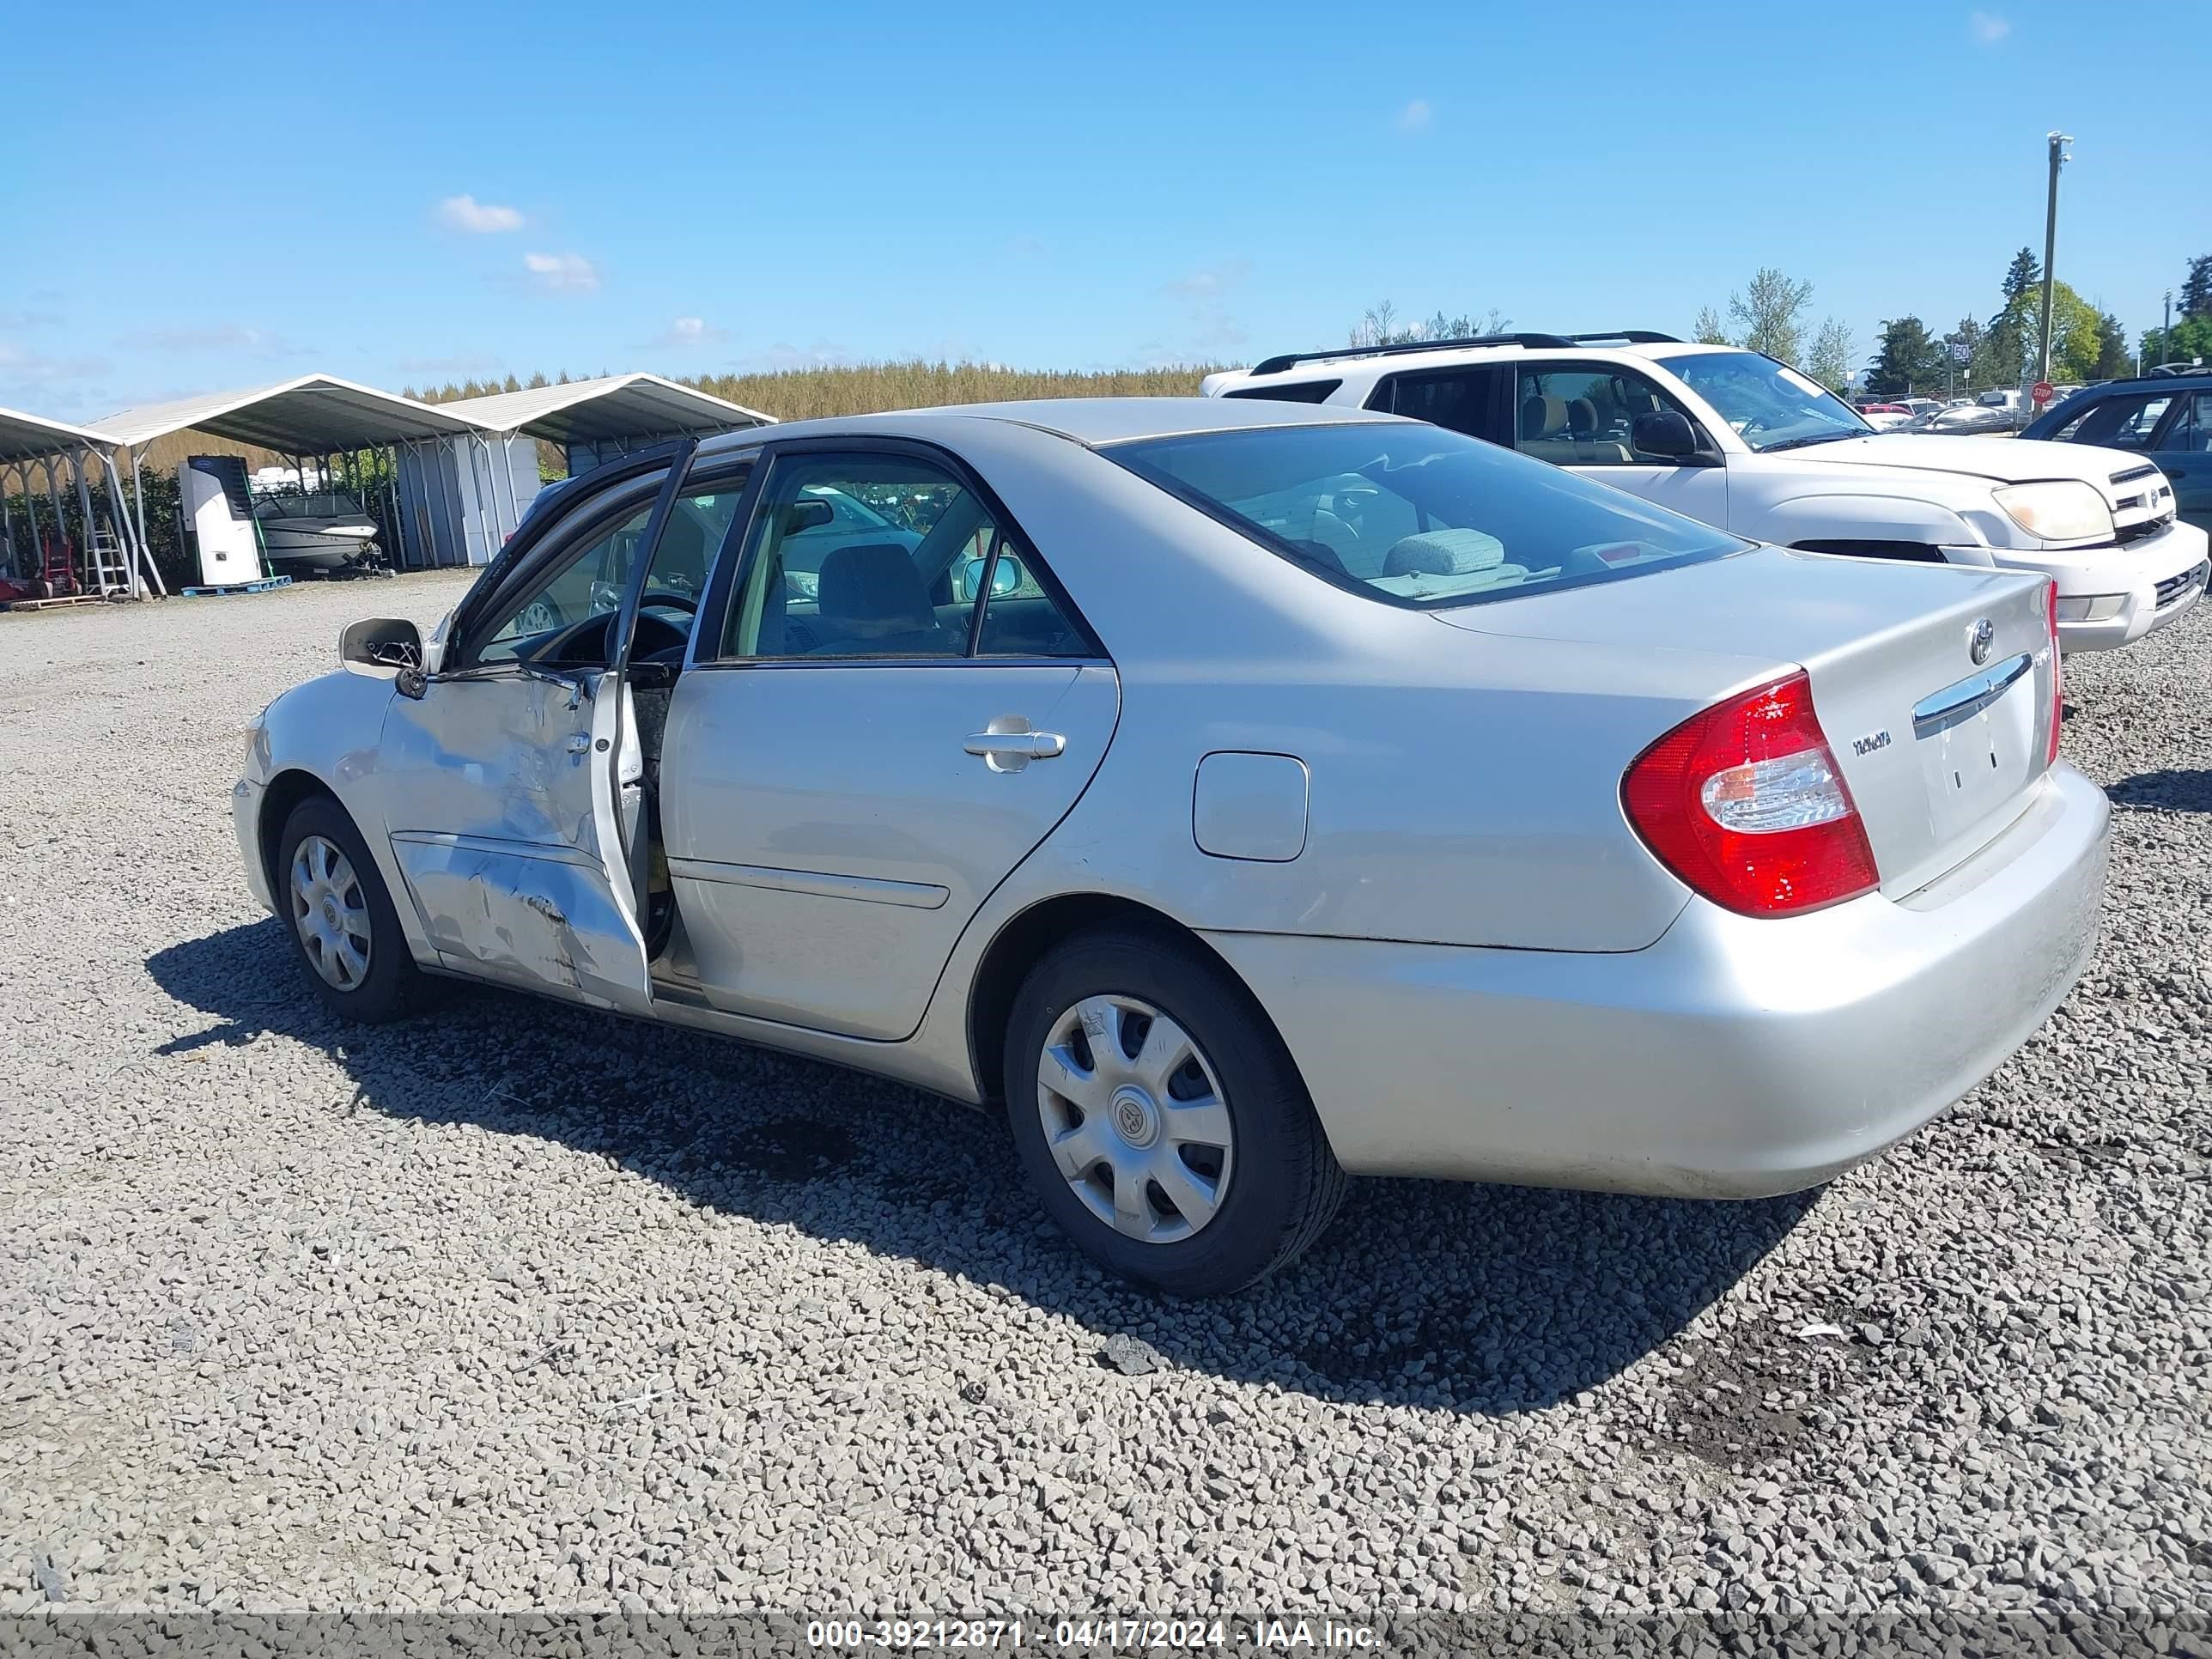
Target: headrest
(1444, 553)
(1582, 417)
(1542, 416)
(872, 587)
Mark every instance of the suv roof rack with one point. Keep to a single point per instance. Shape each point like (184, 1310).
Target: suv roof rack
(1632, 335)
(1290, 359)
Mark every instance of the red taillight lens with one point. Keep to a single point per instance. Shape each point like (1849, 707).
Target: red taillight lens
(1745, 804)
(2057, 700)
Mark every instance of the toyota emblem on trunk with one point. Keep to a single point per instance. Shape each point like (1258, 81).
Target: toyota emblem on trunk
(1980, 638)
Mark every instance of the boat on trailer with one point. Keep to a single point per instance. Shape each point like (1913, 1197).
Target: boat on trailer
(320, 530)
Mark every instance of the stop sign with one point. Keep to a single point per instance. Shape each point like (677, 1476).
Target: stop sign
(2041, 392)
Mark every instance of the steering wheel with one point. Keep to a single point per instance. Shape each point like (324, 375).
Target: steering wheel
(669, 600)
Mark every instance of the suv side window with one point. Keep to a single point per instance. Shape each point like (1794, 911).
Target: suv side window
(1305, 391)
(2122, 423)
(2191, 431)
(1584, 415)
(1463, 400)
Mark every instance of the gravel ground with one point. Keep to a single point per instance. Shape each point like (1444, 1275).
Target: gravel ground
(513, 1306)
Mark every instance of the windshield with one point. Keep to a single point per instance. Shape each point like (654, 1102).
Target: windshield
(1417, 515)
(1768, 405)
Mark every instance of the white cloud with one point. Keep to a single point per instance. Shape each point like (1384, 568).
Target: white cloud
(561, 273)
(1415, 116)
(686, 332)
(477, 218)
(24, 367)
(1989, 27)
(1209, 281)
(232, 339)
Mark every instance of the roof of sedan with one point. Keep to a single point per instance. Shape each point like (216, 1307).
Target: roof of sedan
(1085, 420)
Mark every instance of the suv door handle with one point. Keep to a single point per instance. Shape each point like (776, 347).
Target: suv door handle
(1009, 752)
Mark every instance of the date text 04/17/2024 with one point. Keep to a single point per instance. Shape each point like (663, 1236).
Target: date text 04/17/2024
(1107, 1635)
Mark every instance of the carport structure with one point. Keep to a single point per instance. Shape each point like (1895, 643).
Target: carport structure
(596, 420)
(311, 420)
(29, 440)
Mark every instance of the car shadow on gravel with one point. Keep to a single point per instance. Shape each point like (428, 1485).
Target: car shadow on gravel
(1486, 1300)
(2164, 791)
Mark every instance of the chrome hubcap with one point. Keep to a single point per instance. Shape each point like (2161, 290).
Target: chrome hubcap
(1135, 1119)
(331, 913)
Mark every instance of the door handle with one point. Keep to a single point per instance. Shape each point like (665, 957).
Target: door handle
(1009, 752)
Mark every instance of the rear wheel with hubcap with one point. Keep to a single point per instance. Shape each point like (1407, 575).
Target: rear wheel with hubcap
(1159, 1118)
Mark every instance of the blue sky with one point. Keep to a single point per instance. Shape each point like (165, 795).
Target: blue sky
(430, 192)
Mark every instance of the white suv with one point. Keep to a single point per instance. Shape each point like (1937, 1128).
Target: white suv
(1751, 446)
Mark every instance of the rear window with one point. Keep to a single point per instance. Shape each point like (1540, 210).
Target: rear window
(1416, 515)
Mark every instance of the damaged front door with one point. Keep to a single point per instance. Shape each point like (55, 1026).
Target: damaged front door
(504, 781)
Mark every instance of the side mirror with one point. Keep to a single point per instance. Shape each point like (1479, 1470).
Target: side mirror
(382, 642)
(1664, 432)
(810, 514)
(1007, 577)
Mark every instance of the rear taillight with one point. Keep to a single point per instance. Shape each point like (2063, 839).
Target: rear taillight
(1745, 804)
(2057, 701)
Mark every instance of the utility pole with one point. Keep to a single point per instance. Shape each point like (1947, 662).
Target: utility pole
(2058, 141)
(2166, 330)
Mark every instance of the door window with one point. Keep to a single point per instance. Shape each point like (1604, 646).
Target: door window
(585, 578)
(862, 555)
(1587, 416)
(2122, 422)
(2191, 431)
(543, 621)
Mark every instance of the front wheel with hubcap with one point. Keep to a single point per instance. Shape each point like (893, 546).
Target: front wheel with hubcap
(1159, 1117)
(342, 921)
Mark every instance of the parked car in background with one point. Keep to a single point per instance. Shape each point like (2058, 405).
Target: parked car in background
(2167, 420)
(1315, 800)
(1747, 443)
(1884, 416)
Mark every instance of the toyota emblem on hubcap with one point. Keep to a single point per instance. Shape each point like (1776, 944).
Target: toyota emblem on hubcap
(1980, 638)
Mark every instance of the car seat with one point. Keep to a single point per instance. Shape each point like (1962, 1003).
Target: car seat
(870, 602)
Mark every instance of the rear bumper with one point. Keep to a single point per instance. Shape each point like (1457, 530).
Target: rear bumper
(2152, 579)
(1735, 1058)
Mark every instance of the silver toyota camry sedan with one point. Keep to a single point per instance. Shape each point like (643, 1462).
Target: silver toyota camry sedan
(1236, 795)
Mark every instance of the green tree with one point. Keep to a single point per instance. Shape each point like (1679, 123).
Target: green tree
(2196, 288)
(1772, 309)
(2074, 333)
(2113, 362)
(2025, 272)
(1909, 360)
(1829, 359)
(1708, 328)
(1381, 326)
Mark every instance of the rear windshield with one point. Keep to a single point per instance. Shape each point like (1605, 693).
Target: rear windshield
(1413, 514)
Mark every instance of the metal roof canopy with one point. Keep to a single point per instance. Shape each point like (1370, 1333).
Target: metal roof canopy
(310, 415)
(33, 437)
(611, 407)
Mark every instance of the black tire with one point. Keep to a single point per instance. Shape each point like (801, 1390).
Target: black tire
(1285, 1184)
(392, 986)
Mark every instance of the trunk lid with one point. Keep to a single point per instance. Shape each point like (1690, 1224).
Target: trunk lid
(1941, 748)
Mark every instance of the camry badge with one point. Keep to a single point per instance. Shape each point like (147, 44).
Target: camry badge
(1980, 638)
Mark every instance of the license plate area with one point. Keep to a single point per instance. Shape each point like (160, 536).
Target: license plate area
(1977, 743)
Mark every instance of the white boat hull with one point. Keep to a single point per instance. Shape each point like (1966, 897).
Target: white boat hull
(318, 544)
